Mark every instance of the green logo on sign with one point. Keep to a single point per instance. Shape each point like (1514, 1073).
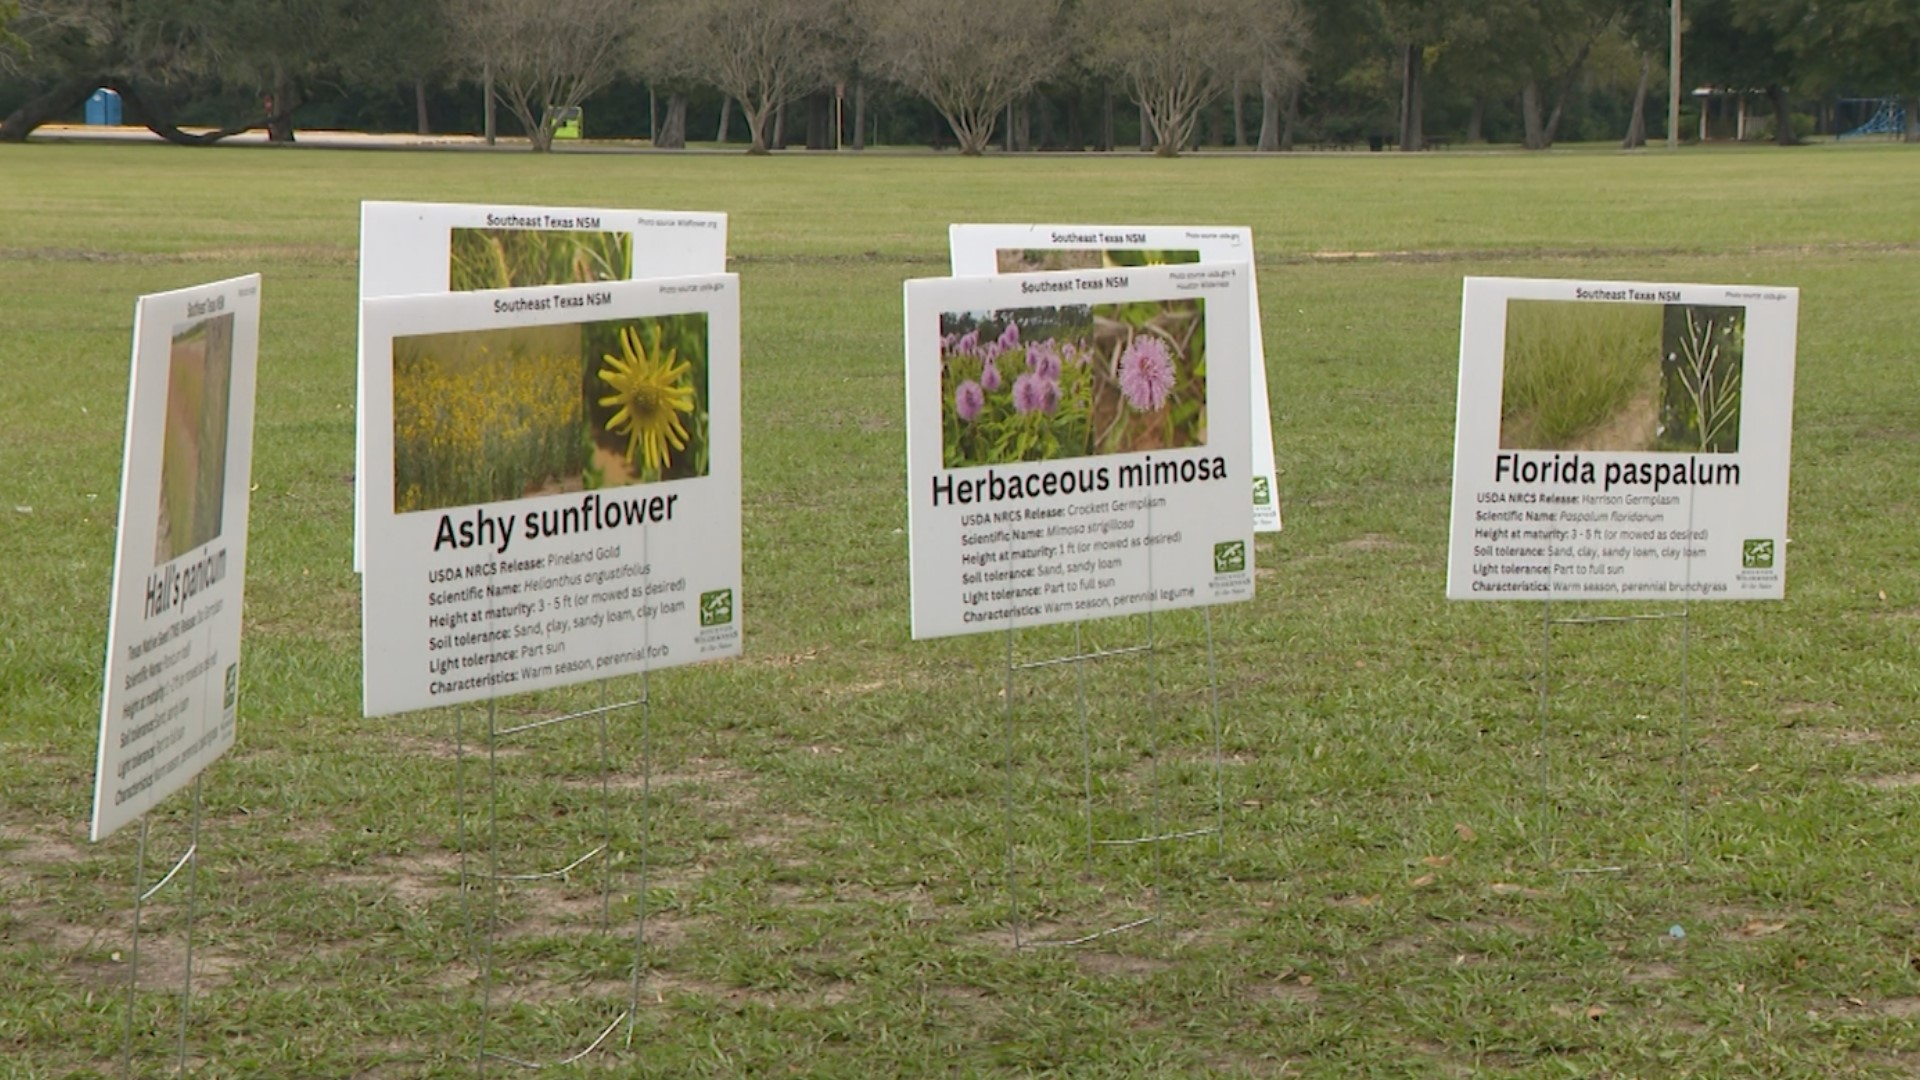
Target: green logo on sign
(1757, 554)
(233, 685)
(1262, 493)
(1230, 557)
(716, 608)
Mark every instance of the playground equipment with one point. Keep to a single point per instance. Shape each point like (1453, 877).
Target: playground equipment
(1889, 118)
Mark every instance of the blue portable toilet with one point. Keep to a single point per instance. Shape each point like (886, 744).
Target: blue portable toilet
(103, 107)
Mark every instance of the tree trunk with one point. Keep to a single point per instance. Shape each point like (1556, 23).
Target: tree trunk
(1412, 105)
(1105, 142)
(1146, 130)
(1562, 93)
(1240, 119)
(820, 121)
(1269, 120)
(1782, 116)
(1912, 133)
(1530, 116)
(859, 115)
(726, 119)
(1076, 138)
(778, 141)
(421, 124)
(149, 110)
(1291, 118)
(759, 124)
(492, 124)
(1022, 125)
(1637, 126)
(59, 99)
(280, 107)
(1477, 122)
(673, 132)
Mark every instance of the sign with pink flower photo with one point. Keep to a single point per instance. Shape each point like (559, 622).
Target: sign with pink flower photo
(1622, 441)
(553, 487)
(173, 630)
(1067, 455)
(1014, 249)
(408, 248)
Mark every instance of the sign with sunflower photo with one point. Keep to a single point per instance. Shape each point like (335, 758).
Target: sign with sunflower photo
(1016, 249)
(179, 570)
(408, 248)
(1071, 453)
(1622, 441)
(553, 492)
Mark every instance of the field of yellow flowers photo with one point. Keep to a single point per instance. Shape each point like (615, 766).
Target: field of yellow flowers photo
(490, 415)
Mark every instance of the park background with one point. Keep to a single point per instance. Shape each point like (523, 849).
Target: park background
(826, 887)
(1167, 75)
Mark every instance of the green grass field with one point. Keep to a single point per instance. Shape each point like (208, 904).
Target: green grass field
(827, 852)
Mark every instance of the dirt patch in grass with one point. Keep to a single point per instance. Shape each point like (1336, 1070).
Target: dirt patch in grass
(1288, 993)
(97, 960)
(720, 785)
(1654, 974)
(415, 882)
(1497, 926)
(1116, 966)
(1844, 736)
(1894, 782)
(22, 847)
(446, 748)
(1369, 542)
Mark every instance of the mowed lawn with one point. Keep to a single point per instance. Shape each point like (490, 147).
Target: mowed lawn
(1418, 873)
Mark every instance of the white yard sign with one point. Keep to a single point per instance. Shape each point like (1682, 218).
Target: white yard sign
(553, 492)
(1008, 249)
(173, 635)
(1077, 445)
(1622, 441)
(410, 248)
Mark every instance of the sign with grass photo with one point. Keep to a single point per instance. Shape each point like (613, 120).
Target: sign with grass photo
(173, 629)
(1068, 454)
(553, 486)
(1013, 249)
(1622, 441)
(409, 248)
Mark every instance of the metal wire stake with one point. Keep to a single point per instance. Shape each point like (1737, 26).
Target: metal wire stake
(1153, 747)
(1546, 752)
(606, 821)
(193, 893)
(1686, 698)
(133, 951)
(646, 846)
(493, 887)
(1013, 878)
(460, 827)
(1086, 741)
(1219, 758)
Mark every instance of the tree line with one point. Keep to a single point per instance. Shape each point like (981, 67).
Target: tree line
(1020, 74)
